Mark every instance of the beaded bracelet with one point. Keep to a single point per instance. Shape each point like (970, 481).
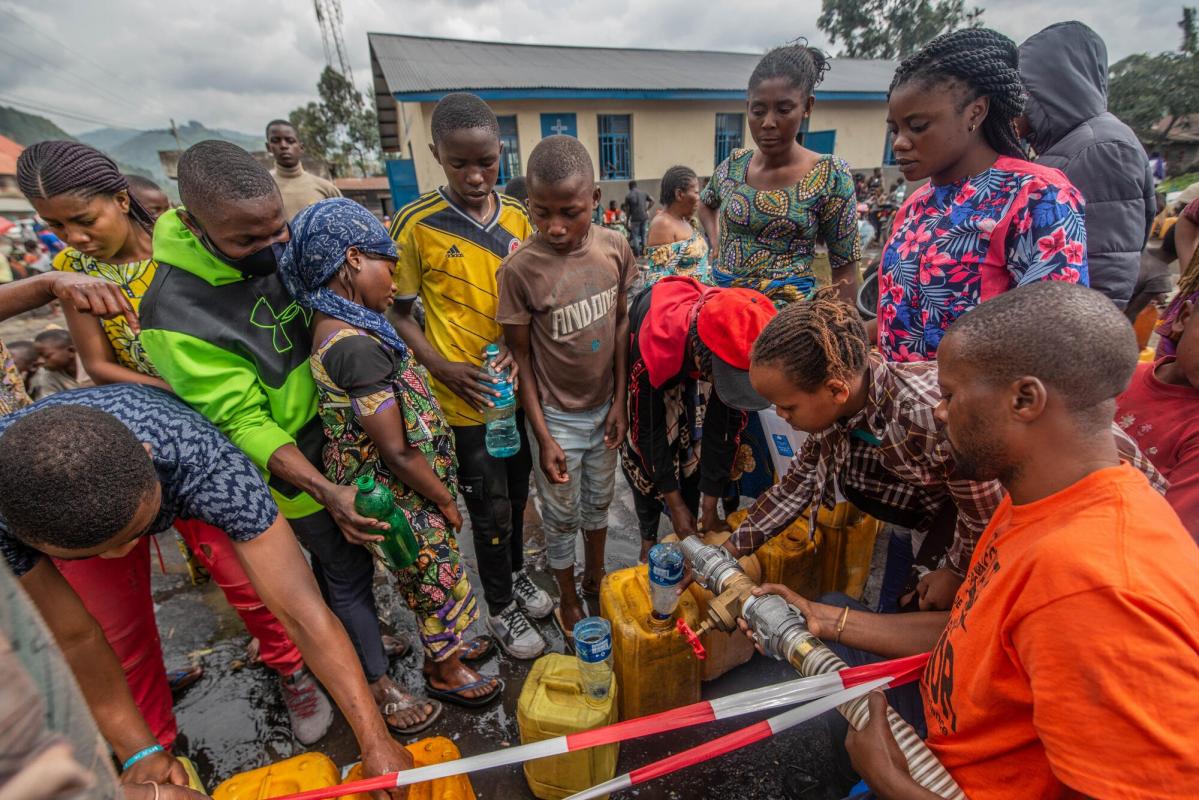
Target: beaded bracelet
(140, 754)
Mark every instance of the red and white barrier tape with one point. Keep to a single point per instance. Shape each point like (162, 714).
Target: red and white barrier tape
(800, 690)
(730, 742)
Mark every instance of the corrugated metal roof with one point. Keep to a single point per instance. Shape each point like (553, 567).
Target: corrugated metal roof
(417, 64)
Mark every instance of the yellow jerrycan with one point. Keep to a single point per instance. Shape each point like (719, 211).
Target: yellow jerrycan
(725, 650)
(846, 551)
(434, 750)
(552, 703)
(792, 558)
(654, 665)
(297, 774)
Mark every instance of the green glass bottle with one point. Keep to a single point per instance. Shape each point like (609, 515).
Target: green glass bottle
(398, 548)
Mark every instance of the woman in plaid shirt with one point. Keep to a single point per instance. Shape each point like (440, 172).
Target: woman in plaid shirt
(873, 438)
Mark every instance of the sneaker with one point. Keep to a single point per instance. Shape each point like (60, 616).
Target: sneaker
(535, 601)
(515, 634)
(309, 708)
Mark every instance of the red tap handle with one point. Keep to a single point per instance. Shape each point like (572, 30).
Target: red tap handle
(696, 645)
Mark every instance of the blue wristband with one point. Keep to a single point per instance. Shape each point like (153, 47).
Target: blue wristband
(140, 754)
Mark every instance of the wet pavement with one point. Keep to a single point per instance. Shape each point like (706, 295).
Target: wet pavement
(234, 720)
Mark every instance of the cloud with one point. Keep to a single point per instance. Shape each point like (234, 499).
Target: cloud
(237, 63)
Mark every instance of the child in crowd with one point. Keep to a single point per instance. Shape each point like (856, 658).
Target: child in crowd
(25, 356)
(563, 305)
(150, 195)
(874, 437)
(866, 230)
(1158, 409)
(58, 370)
(451, 242)
(381, 419)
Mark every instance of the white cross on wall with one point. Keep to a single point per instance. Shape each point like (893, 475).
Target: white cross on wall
(558, 127)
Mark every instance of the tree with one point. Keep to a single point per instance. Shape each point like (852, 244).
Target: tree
(892, 28)
(341, 129)
(1145, 89)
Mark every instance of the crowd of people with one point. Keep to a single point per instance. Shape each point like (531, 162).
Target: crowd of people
(256, 350)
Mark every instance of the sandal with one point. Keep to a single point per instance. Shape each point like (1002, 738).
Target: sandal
(589, 591)
(395, 702)
(455, 695)
(476, 649)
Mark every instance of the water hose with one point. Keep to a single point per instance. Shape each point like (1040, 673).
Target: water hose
(780, 630)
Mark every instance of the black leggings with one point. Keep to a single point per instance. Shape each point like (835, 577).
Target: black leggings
(496, 491)
(345, 573)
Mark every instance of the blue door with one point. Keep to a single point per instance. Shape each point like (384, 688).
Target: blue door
(820, 141)
(401, 179)
(559, 125)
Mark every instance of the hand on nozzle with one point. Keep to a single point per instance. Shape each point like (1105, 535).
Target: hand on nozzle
(820, 619)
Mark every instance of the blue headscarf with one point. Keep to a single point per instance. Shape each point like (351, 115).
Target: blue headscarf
(320, 236)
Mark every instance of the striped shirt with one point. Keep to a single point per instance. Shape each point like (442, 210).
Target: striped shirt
(896, 456)
(449, 259)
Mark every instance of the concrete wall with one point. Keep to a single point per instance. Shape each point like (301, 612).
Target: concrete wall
(861, 130)
(664, 133)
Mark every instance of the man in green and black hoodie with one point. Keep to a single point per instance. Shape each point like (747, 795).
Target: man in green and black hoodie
(223, 331)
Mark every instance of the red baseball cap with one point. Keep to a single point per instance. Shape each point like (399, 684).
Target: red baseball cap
(729, 323)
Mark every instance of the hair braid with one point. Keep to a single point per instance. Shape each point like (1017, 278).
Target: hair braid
(814, 340)
(803, 66)
(988, 64)
(51, 168)
(59, 167)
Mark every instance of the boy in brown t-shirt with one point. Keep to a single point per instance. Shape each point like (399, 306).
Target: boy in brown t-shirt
(563, 305)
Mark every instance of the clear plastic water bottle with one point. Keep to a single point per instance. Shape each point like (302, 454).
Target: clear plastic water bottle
(502, 438)
(593, 647)
(665, 575)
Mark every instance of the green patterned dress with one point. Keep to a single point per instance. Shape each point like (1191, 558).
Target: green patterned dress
(357, 376)
(768, 237)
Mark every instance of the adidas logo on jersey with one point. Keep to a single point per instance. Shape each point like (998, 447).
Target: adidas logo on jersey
(454, 252)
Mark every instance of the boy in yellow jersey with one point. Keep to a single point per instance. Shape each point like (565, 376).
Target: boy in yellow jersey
(451, 242)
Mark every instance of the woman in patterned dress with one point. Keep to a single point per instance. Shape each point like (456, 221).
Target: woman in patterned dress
(381, 419)
(988, 220)
(674, 246)
(765, 208)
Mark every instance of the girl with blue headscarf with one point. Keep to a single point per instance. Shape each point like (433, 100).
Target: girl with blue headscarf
(380, 418)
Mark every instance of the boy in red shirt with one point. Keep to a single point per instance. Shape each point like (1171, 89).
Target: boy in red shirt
(1069, 663)
(1160, 411)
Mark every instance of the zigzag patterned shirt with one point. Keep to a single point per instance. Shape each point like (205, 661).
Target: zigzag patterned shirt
(203, 475)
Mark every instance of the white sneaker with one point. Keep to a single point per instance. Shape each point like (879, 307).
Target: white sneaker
(308, 707)
(535, 601)
(515, 634)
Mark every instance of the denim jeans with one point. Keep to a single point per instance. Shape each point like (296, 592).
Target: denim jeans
(582, 502)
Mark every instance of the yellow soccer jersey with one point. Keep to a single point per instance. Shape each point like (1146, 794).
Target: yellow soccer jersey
(450, 260)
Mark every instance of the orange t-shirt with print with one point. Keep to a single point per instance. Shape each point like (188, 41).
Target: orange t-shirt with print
(1070, 663)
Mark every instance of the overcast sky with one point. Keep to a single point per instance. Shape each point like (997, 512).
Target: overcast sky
(238, 63)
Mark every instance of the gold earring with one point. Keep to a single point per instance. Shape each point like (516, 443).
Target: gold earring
(972, 127)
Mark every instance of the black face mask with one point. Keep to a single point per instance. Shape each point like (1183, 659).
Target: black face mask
(258, 264)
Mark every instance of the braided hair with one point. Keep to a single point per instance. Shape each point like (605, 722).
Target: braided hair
(985, 61)
(801, 65)
(815, 340)
(56, 167)
(674, 181)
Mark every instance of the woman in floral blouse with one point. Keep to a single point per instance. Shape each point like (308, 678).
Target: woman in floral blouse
(764, 209)
(988, 219)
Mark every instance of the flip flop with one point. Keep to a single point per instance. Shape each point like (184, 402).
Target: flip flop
(568, 636)
(181, 679)
(397, 703)
(476, 649)
(455, 695)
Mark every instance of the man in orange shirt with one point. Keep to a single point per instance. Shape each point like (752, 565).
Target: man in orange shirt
(1069, 663)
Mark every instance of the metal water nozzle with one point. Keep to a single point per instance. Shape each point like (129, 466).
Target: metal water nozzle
(715, 569)
(778, 626)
